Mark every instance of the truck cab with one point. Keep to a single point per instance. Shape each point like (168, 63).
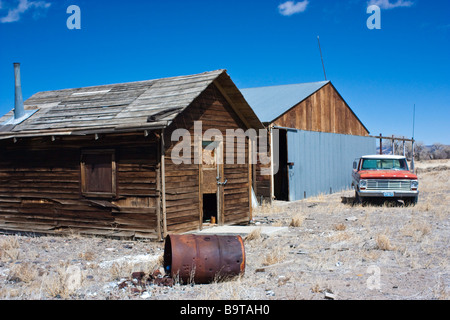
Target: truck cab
(384, 176)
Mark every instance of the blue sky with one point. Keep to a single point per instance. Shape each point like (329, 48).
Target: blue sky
(381, 73)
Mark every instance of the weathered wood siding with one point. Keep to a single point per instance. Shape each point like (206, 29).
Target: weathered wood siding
(182, 187)
(263, 187)
(323, 111)
(40, 187)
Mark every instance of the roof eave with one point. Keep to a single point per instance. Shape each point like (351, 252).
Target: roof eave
(83, 131)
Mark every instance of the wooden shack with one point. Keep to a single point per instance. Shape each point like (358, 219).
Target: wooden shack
(317, 137)
(98, 160)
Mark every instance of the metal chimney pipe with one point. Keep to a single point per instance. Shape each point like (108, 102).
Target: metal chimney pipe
(19, 110)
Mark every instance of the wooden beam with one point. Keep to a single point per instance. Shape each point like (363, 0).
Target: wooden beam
(250, 178)
(391, 138)
(198, 142)
(163, 185)
(158, 192)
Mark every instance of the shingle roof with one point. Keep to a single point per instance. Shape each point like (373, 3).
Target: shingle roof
(271, 102)
(141, 105)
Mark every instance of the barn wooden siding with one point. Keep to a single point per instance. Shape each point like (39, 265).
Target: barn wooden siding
(40, 186)
(323, 111)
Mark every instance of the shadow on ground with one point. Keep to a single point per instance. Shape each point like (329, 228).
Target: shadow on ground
(380, 202)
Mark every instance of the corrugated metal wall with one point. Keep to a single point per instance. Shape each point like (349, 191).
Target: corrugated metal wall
(323, 162)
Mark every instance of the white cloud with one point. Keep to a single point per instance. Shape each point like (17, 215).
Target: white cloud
(23, 6)
(289, 8)
(385, 4)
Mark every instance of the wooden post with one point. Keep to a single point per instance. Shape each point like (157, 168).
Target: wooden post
(381, 143)
(163, 185)
(198, 148)
(250, 179)
(221, 196)
(272, 187)
(158, 192)
(404, 150)
(393, 145)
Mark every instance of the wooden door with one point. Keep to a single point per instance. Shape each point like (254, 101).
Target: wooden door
(211, 187)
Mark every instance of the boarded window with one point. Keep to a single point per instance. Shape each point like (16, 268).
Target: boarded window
(209, 154)
(98, 173)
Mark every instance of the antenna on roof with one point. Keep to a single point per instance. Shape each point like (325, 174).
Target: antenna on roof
(414, 119)
(413, 165)
(323, 66)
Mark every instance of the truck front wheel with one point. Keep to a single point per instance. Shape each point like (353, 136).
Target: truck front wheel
(358, 199)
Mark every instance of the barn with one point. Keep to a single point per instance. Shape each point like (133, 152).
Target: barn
(316, 136)
(100, 160)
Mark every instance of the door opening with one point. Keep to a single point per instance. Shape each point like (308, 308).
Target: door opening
(211, 175)
(281, 178)
(210, 208)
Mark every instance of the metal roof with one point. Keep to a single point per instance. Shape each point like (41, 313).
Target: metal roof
(118, 107)
(271, 102)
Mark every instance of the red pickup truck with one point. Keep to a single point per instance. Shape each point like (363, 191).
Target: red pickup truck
(384, 176)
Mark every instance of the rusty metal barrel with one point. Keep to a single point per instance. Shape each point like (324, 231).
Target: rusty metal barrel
(203, 258)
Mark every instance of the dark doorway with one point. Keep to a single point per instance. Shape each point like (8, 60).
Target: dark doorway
(280, 179)
(209, 208)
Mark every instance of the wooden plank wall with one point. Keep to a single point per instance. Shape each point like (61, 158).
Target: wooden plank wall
(40, 187)
(182, 181)
(263, 181)
(323, 111)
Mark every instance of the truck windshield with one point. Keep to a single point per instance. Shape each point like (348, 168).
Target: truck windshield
(383, 164)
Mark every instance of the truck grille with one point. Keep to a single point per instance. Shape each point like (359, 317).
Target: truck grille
(404, 185)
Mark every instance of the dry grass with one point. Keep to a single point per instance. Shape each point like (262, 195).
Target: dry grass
(320, 287)
(266, 209)
(340, 236)
(23, 273)
(276, 255)
(319, 198)
(9, 249)
(120, 270)
(88, 255)
(383, 243)
(123, 268)
(416, 229)
(339, 227)
(297, 221)
(254, 235)
(62, 283)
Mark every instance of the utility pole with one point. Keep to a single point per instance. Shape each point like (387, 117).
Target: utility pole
(412, 146)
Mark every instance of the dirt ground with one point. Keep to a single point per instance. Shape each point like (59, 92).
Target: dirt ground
(331, 249)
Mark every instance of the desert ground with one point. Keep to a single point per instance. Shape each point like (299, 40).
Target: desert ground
(330, 249)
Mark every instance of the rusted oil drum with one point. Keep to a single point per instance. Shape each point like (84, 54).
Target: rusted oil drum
(203, 258)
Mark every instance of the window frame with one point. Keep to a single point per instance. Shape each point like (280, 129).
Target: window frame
(402, 164)
(83, 186)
